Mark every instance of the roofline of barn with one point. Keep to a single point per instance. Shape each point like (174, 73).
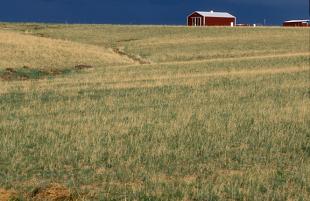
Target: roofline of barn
(296, 21)
(199, 12)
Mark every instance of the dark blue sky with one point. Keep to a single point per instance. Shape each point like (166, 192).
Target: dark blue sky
(148, 11)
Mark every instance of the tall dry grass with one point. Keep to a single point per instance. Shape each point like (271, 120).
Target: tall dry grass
(211, 129)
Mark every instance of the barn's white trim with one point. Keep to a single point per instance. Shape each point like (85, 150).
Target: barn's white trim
(193, 13)
(289, 21)
(215, 14)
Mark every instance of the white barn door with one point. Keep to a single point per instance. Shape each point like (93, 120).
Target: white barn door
(196, 21)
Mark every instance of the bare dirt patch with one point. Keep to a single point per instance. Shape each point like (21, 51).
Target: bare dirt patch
(127, 40)
(131, 57)
(28, 73)
(82, 66)
(51, 192)
(6, 195)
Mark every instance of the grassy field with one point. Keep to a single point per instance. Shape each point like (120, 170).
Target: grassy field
(160, 113)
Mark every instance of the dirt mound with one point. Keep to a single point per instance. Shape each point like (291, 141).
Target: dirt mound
(51, 192)
(82, 66)
(6, 195)
(22, 74)
(26, 73)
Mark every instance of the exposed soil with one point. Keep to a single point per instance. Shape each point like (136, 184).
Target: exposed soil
(51, 192)
(45, 191)
(34, 26)
(28, 73)
(23, 27)
(6, 195)
(82, 66)
(127, 40)
(40, 35)
(11, 74)
(132, 57)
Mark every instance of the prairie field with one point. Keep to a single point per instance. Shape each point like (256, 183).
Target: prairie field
(115, 112)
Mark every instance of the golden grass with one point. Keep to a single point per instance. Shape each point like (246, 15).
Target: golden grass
(189, 39)
(160, 80)
(263, 56)
(18, 50)
(206, 129)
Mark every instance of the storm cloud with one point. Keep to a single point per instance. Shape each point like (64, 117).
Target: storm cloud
(148, 11)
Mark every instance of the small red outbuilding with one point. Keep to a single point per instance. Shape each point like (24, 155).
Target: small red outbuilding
(200, 18)
(297, 23)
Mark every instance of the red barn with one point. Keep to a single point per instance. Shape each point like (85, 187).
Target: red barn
(297, 23)
(200, 18)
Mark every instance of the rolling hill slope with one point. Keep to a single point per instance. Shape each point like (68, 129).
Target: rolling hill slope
(18, 50)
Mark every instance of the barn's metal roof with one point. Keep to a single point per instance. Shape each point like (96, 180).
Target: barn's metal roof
(215, 14)
(297, 21)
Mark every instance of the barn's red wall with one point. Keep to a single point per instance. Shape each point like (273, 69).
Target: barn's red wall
(218, 21)
(295, 24)
(189, 19)
(211, 21)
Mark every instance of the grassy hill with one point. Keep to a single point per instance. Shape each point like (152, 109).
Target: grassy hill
(20, 49)
(160, 113)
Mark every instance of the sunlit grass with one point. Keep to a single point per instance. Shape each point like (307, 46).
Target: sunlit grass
(18, 50)
(210, 128)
